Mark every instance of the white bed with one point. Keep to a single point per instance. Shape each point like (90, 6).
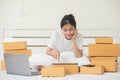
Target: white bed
(105, 76)
(37, 39)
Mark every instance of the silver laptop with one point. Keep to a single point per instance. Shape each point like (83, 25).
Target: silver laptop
(18, 64)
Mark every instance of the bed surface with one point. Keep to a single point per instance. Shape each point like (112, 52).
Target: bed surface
(105, 76)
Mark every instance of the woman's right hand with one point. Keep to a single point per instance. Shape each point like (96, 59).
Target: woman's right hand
(55, 53)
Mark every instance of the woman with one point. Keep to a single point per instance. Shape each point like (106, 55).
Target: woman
(68, 39)
(65, 45)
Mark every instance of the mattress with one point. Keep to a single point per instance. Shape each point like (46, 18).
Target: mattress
(105, 76)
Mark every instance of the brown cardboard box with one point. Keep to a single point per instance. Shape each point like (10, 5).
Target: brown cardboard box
(103, 50)
(3, 67)
(70, 68)
(53, 71)
(104, 40)
(15, 45)
(119, 49)
(28, 52)
(92, 70)
(110, 63)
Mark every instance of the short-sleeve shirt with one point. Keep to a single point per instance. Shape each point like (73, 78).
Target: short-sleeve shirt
(59, 42)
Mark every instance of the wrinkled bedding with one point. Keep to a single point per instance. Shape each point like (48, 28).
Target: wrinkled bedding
(105, 76)
(65, 57)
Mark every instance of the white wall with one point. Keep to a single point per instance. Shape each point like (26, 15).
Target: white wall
(48, 13)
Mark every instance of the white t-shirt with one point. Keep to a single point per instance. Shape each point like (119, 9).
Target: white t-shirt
(59, 42)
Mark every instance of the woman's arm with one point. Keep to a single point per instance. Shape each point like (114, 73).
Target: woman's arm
(53, 52)
(78, 53)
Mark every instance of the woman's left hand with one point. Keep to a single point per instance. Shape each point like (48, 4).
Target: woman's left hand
(75, 34)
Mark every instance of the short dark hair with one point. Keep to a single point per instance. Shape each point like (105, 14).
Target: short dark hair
(68, 19)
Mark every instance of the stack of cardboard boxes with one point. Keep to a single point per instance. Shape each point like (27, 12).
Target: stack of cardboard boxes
(19, 47)
(104, 53)
(60, 69)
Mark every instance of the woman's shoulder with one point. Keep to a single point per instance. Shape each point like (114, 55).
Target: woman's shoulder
(57, 33)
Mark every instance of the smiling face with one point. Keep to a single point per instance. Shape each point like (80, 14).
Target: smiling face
(68, 31)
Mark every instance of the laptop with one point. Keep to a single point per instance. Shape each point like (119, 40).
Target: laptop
(18, 64)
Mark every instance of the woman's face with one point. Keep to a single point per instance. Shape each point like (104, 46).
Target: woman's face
(68, 31)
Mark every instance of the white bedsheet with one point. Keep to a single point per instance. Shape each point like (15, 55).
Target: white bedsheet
(65, 57)
(105, 76)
